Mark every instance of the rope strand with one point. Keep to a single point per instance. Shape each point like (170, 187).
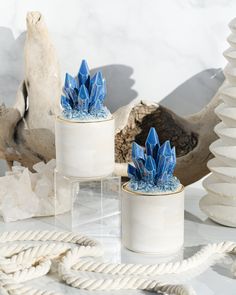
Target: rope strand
(20, 263)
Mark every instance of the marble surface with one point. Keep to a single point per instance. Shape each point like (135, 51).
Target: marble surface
(199, 230)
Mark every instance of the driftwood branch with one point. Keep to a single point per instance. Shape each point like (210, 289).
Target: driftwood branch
(191, 135)
(27, 129)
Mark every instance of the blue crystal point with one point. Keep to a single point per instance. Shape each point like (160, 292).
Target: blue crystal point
(72, 94)
(95, 93)
(83, 75)
(172, 162)
(99, 79)
(103, 90)
(132, 172)
(165, 149)
(138, 157)
(173, 154)
(96, 79)
(152, 143)
(65, 103)
(97, 88)
(83, 100)
(92, 81)
(137, 152)
(150, 164)
(96, 106)
(162, 168)
(70, 82)
(150, 167)
(165, 162)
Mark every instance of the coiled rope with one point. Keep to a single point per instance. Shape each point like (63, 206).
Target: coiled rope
(20, 263)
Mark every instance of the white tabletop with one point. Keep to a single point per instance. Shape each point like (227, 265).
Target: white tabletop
(199, 230)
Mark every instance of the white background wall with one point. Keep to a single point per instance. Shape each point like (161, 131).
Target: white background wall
(146, 48)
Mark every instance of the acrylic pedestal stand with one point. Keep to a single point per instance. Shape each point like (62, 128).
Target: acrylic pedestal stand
(89, 206)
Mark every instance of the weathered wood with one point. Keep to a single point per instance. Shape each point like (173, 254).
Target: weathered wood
(27, 129)
(191, 135)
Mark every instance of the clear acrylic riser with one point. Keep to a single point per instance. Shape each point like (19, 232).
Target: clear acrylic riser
(89, 206)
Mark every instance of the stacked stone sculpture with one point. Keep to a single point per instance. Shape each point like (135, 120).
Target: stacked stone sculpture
(220, 202)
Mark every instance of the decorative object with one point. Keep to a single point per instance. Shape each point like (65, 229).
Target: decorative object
(89, 205)
(24, 194)
(84, 96)
(220, 202)
(27, 129)
(41, 64)
(153, 200)
(17, 198)
(21, 263)
(85, 130)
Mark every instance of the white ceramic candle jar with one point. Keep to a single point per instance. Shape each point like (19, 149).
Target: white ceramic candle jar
(152, 224)
(85, 149)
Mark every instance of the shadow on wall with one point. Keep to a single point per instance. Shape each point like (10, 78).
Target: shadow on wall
(11, 64)
(192, 95)
(119, 85)
(189, 97)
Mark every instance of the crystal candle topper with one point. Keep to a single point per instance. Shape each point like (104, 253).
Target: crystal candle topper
(153, 166)
(84, 95)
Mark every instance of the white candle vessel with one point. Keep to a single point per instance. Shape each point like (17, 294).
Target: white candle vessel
(85, 130)
(153, 200)
(151, 223)
(85, 149)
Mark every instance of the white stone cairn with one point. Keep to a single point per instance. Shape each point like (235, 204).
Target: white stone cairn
(220, 201)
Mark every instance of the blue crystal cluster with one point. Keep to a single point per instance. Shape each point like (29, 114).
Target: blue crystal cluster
(84, 95)
(153, 166)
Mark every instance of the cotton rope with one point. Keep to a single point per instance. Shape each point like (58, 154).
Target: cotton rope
(20, 263)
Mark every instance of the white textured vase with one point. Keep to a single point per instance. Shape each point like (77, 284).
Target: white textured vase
(152, 224)
(220, 202)
(85, 149)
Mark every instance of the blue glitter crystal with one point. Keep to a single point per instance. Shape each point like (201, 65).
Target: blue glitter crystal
(152, 143)
(72, 95)
(132, 172)
(153, 170)
(138, 158)
(70, 82)
(65, 102)
(150, 164)
(164, 161)
(83, 75)
(83, 97)
(96, 88)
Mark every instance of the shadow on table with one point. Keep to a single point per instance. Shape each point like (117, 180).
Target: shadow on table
(218, 263)
(224, 267)
(191, 217)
